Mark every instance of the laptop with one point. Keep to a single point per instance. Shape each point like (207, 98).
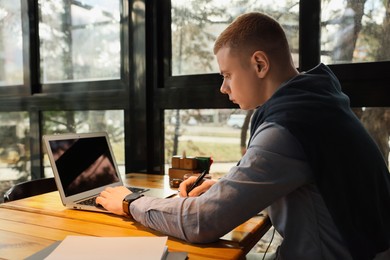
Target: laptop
(83, 166)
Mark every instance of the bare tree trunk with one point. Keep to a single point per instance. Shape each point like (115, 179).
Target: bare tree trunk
(244, 131)
(350, 27)
(70, 121)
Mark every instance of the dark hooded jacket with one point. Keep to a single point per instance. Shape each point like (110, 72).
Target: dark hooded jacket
(348, 167)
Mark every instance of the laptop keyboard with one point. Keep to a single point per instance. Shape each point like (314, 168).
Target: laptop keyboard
(92, 201)
(89, 202)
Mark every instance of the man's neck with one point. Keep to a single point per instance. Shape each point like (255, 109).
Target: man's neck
(279, 76)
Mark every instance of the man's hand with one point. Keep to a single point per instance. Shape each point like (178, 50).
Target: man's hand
(112, 197)
(197, 191)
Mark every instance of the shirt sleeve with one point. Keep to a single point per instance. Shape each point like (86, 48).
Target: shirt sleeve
(273, 166)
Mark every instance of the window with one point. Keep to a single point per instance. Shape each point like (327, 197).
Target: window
(212, 133)
(11, 45)
(79, 40)
(355, 31)
(196, 25)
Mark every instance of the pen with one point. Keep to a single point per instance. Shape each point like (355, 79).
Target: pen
(197, 181)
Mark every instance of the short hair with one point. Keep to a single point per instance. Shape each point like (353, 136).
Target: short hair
(254, 31)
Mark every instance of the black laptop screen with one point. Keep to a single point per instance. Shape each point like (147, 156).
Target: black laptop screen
(83, 164)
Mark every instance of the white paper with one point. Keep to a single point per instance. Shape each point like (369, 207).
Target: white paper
(89, 247)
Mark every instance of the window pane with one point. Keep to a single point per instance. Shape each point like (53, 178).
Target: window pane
(11, 45)
(79, 40)
(196, 24)
(14, 149)
(110, 121)
(377, 122)
(355, 31)
(206, 132)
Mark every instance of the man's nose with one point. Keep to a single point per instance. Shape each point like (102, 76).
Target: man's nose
(224, 88)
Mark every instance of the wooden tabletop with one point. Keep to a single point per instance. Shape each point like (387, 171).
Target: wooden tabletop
(31, 224)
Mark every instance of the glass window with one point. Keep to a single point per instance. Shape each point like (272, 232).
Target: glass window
(79, 40)
(377, 122)
(355, 31)
(196, 24)
(11, 44)
(219, 133)
(110, 121)
(14, 149)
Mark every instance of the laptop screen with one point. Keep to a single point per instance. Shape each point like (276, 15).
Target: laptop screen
(83, 163)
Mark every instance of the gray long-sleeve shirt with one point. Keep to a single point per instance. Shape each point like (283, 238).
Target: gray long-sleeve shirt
(274, 175)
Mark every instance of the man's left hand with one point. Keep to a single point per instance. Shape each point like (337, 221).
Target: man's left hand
(112, 198)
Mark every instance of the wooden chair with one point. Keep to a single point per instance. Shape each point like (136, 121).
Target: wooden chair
(30, 188)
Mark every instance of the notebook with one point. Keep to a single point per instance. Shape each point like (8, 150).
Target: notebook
(83, 166)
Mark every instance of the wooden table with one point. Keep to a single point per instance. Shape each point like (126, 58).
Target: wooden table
(31, 224)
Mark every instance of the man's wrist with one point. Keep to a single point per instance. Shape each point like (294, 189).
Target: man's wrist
(128, 200)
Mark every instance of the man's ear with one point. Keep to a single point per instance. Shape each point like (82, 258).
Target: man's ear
(261, 61)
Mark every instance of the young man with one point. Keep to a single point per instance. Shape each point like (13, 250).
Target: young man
(309, 160)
